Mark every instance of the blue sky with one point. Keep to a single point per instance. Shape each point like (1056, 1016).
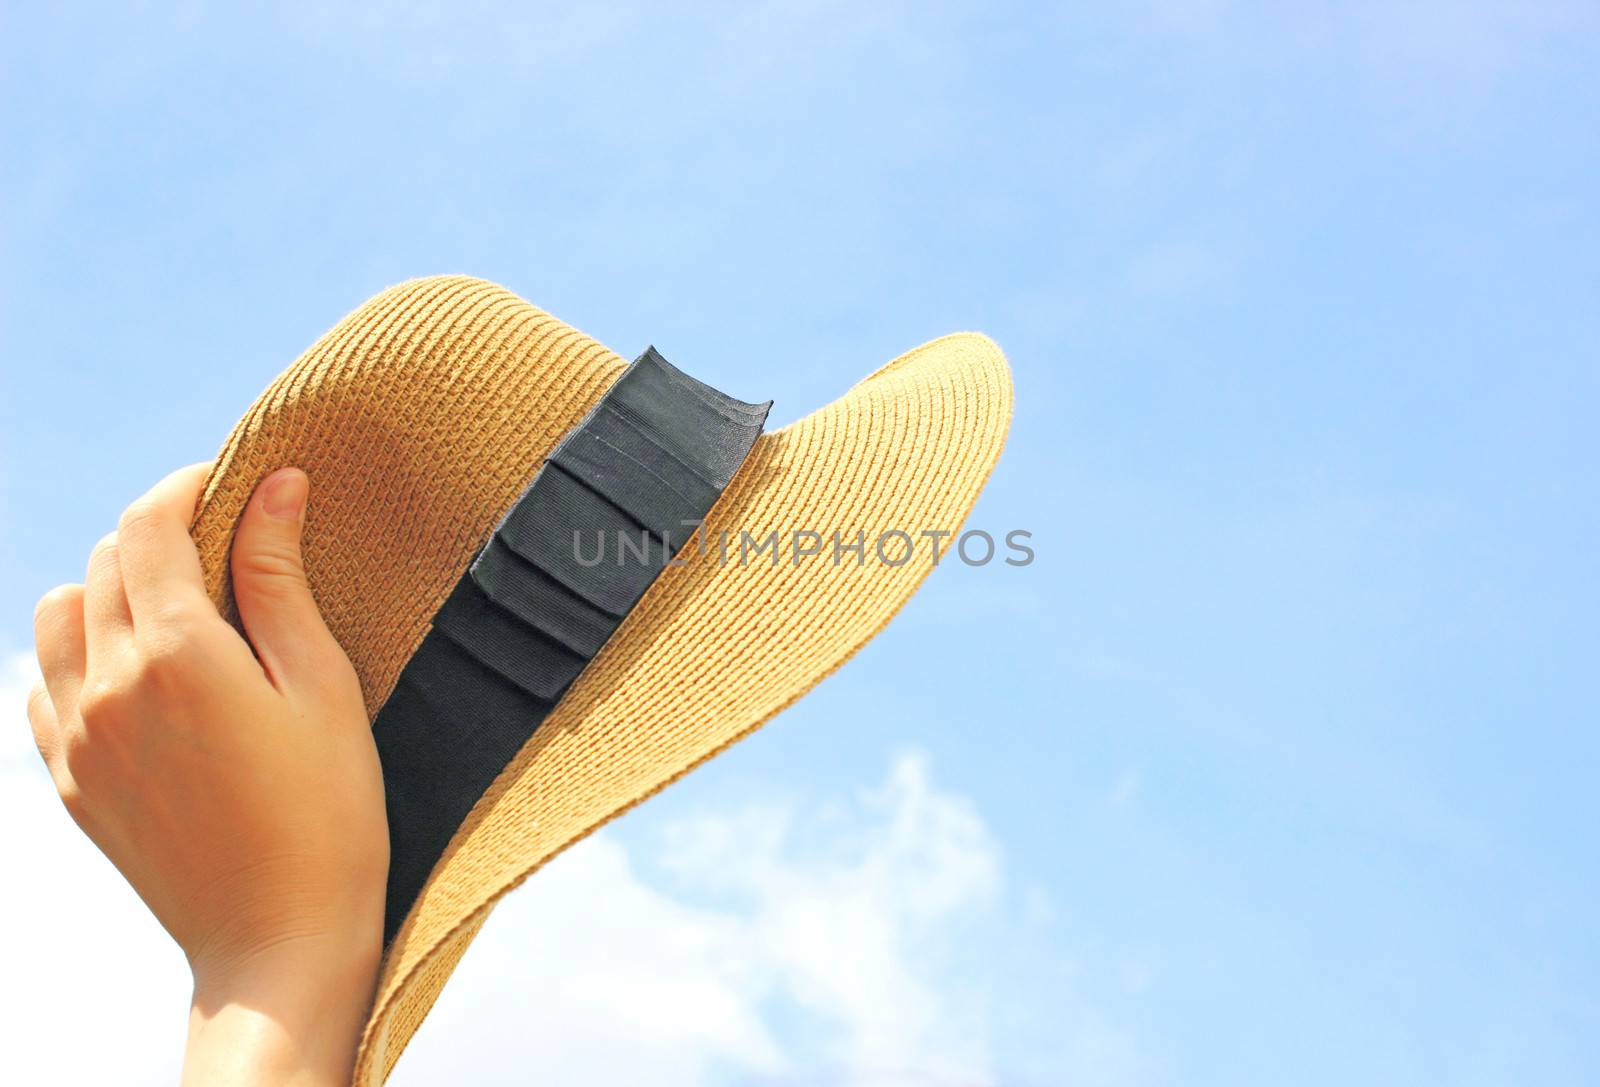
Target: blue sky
(1278, 764)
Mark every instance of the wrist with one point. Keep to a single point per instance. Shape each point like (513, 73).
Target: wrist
(291, 1014)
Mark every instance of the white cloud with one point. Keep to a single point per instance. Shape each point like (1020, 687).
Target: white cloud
(597, 978)
(788, 942)
(792, 942)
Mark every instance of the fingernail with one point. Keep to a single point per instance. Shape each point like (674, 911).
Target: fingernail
(284, 495)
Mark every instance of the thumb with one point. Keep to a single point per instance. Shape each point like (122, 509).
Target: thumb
(269, 580)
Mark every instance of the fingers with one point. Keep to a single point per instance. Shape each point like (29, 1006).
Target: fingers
(58, 638)
(107, 620)
(269, 582)
(160, 567)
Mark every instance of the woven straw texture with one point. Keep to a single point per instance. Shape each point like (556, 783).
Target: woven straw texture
(422, 415)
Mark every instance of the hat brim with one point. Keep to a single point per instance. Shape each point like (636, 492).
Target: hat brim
(421, 417)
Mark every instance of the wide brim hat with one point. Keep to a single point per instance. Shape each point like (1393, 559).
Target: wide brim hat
(423, 416)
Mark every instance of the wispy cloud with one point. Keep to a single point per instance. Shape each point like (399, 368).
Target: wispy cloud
(784, 943)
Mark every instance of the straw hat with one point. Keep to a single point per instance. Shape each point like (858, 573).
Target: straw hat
(423, 417)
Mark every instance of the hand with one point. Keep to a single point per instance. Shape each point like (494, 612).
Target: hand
(239, 792)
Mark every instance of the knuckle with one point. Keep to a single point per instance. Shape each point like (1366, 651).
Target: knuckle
(76, 752)
(178, 616)
(176, 651)
(101, 702)
(82, 769)
(165, 655)
(72, 798)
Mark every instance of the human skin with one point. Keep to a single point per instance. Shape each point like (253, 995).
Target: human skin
(234, 783)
